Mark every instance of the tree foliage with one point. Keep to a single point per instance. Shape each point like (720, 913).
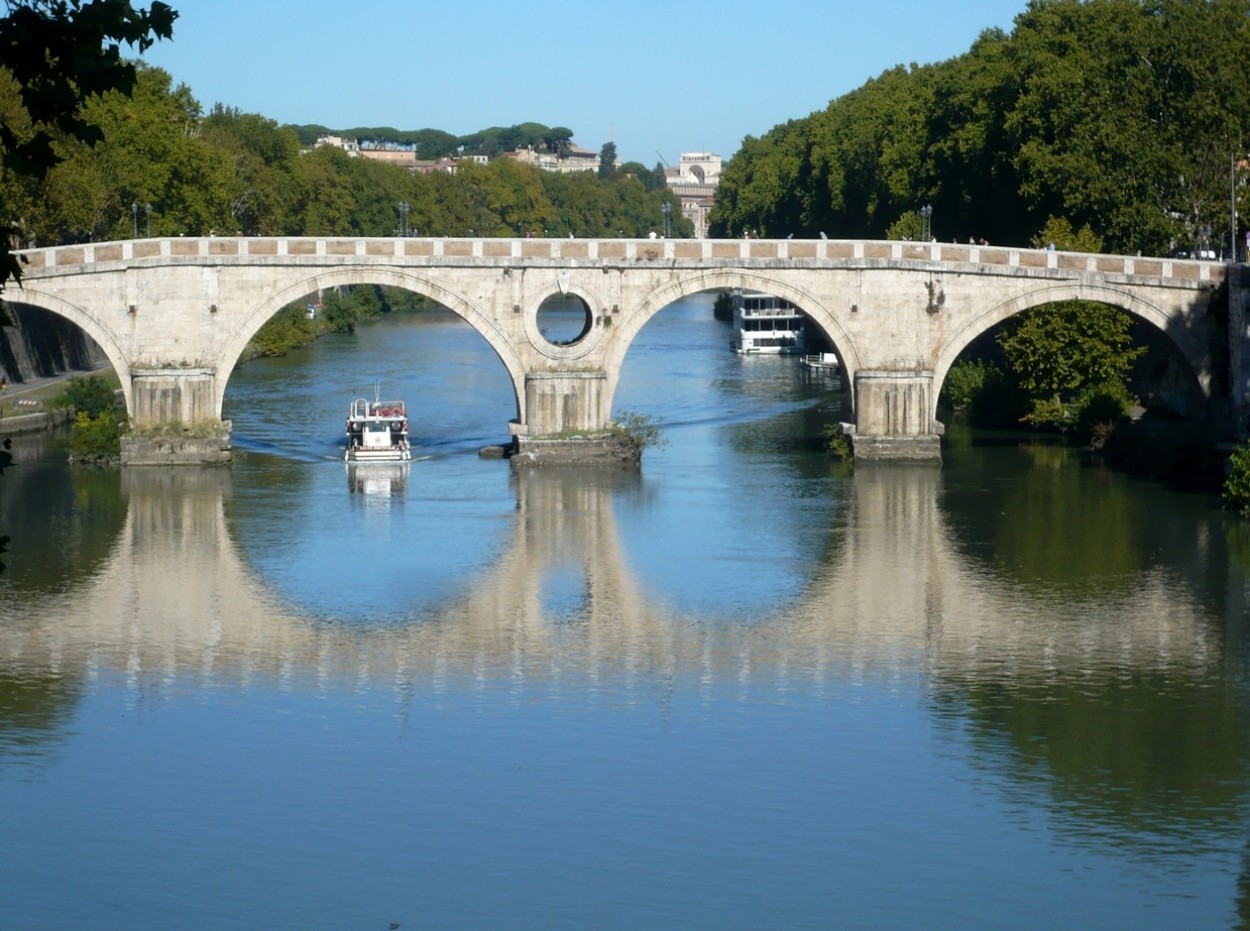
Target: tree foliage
(91, 395)
(1058, 233)
(233, 173)
(97, 440)
(1072, 359)
(1236, 493)
(607, 160)
(1121, 117)
(57, 55)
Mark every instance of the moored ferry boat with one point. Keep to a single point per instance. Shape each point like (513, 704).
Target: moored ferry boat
(765, 323)
(377, 431)
(821, 362)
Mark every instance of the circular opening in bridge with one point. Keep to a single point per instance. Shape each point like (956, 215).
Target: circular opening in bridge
(564, 319)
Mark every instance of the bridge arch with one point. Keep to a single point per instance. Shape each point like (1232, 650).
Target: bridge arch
(727, 279)
(1196, 356)
(374, 275)
(118, 358)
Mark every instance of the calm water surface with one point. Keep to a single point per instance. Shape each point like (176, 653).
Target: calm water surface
(745, 687)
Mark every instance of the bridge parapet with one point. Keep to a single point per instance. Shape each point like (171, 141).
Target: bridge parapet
(674, 253)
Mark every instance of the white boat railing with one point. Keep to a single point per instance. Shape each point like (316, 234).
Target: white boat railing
(821, 360)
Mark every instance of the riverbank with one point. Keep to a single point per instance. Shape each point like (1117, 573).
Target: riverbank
(1175, 453)
(1185, 456)
(26, 407)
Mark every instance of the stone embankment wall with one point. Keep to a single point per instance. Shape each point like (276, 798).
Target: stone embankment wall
(41, 344)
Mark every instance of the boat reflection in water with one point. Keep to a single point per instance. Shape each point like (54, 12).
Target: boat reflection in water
(378, 479)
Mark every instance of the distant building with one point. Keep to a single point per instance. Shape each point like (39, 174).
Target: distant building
(403, 156)
(575, 160)
(694, 181)
(392, 153)
(445, 164)
(350, 146)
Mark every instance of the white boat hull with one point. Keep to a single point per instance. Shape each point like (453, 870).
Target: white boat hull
(361, 454)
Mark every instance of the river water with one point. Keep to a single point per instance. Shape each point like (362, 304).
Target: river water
(745, 687)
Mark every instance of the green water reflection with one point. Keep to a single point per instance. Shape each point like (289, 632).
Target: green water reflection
(62, 522)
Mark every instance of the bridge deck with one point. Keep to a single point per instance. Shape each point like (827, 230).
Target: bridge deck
(679, 252)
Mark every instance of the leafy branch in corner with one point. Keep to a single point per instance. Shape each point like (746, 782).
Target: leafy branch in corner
(61, 53)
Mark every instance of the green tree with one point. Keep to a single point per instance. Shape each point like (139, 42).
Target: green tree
(1119, 115)
(1236, 493)
(1069, 355)
(60, 54)
(964, 383)
(558, 141)
(92, 396)
(770, 188)
(152, 153)
(97, 439)
(909, 226)
(1059, 233)
(257, 156)
(607, 160)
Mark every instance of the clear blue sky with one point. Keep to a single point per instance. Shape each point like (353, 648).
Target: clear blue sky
(653, 76)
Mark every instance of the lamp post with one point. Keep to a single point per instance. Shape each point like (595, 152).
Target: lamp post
(134, 213)
(148, 210)
(666, 208)
(1232, 208)
(926, 226)
(403, 217)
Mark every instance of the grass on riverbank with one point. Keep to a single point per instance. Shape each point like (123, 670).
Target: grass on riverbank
(47, 392)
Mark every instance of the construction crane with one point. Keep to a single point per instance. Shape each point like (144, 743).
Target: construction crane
(663, 159)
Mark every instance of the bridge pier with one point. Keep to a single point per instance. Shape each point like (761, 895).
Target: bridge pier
(893, 417)
(1239, 349)
(567, 423)
(173, 419)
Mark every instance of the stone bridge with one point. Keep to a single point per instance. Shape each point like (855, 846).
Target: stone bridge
(175, 315)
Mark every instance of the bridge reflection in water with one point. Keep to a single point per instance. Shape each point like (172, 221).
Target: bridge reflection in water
(894, 594)
(1113, 709)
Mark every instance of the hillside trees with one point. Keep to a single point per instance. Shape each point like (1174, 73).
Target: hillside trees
(233, 173)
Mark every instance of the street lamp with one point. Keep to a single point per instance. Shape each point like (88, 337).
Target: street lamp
(403, 217)
(926, 226)
(1232, 210)
(148, 209)
(134, 213)
(666, 208)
